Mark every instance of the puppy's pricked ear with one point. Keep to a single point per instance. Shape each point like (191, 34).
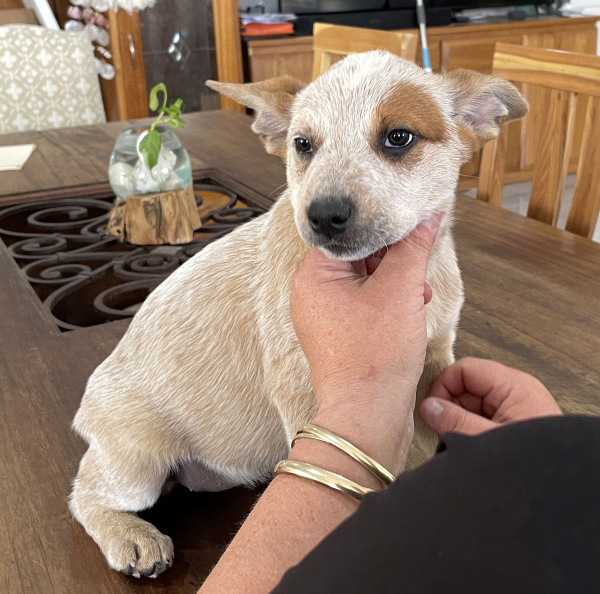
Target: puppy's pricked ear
(484, 103)
(272, 101)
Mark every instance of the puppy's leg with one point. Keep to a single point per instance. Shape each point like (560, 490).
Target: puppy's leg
(106, 493)
(439, 356)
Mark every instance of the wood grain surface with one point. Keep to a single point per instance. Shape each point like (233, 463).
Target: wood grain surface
(532, 301)
(567, 71)
(493, 166)
(7, 4)
(337, 40)
(586, 197)
(560, 79)
(268, 58)
(126, 96)
(155, 219)
(17, 16)
(229, 47)
(550, 172)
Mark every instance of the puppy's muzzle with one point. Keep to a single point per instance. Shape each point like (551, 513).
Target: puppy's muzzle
(330, 215)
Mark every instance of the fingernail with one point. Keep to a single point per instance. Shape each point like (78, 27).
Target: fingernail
(433, 222)
(434, 408)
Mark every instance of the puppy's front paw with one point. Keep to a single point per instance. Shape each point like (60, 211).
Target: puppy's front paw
(139, 550)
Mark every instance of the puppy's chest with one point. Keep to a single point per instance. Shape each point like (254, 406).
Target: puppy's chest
(197, 476)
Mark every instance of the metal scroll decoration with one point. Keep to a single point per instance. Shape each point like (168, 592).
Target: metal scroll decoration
(84, 277)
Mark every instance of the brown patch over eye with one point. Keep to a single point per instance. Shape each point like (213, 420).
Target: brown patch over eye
(411, 108)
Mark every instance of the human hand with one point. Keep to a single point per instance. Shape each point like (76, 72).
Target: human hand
(363, 329)
(476, 395)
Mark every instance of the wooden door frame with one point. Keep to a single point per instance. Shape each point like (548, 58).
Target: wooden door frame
(229, 47)
(126, 96)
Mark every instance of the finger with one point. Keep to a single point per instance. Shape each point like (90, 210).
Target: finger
(443, 416)
(477, 377)
(408, 258)
(427, 293)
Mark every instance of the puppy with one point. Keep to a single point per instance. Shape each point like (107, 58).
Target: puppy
(209, 384)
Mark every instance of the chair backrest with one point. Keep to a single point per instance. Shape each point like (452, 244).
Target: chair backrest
(564, 76)
(333, 42)
(48, 80)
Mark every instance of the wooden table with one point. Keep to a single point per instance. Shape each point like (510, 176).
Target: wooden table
(532, 301)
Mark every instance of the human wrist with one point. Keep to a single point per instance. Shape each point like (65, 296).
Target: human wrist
(329, 458)
(354, 385)
(389, 447)
(375, 418)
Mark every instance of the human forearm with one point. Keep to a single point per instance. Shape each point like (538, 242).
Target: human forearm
(295, 514)
(291, 518)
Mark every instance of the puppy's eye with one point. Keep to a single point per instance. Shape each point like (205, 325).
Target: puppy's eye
(303, 145)
(398, 139)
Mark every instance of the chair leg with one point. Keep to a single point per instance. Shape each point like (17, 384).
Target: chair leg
(491, 170)
(585, 206)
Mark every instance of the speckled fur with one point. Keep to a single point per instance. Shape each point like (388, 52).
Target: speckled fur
(210, 371)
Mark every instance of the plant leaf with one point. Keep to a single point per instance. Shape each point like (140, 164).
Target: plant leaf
(176, 107)
(150, 148)
(176, 122)
(153, 103)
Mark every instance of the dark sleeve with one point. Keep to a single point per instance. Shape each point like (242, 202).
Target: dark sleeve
(515, 510)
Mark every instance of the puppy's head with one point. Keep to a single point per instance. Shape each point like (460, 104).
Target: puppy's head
(374, 145)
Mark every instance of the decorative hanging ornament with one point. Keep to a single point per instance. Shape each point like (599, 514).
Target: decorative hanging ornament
(95, 25)
(104, 5)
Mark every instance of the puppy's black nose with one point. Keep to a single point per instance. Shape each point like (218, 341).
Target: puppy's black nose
(330, 215)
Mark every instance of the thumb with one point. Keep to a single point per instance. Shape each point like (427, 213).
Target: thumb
(411, 255)
(443, 416)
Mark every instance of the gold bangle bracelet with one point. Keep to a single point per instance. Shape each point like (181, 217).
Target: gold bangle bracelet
(310, 431)
(325, 477)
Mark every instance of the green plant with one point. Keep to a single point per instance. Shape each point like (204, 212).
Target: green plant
(151, 143)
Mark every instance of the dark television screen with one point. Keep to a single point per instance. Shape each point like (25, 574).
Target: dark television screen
(464, 4)
(341, 6)
(325, 6)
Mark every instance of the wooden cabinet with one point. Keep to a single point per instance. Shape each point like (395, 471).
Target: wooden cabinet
(268, 58)
(463, 46)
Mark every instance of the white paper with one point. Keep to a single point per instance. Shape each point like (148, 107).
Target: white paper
(12, 158)
(266, 19)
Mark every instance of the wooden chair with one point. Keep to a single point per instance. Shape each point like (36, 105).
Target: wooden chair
(332, 42)
(564, 76)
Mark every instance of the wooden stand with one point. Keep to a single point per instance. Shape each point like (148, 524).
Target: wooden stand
(155, 219)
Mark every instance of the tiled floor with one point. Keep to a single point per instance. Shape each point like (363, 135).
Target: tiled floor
(516, 197)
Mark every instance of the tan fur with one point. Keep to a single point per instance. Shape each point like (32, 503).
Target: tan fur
(485, 102)
(272, 100)
(210, 370)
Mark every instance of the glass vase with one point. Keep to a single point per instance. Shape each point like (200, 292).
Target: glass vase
(130, 176)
